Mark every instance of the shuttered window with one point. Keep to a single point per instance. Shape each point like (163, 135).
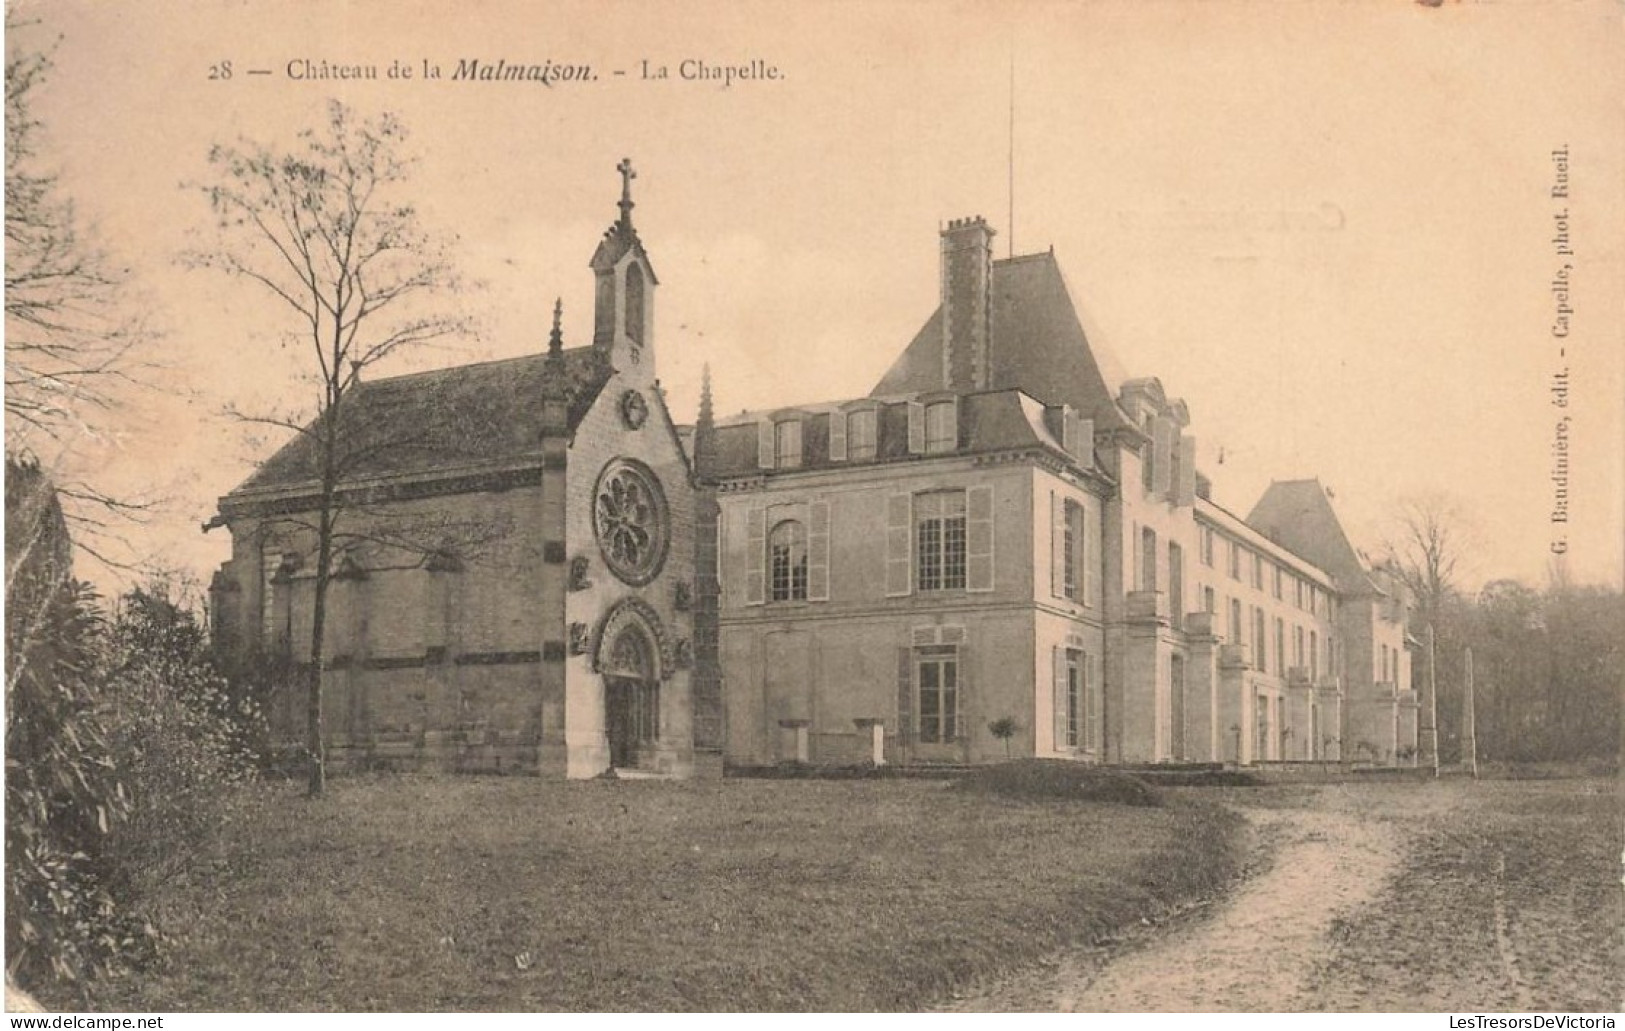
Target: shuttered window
(837, 436)
(787, 562)
(787, 444)
(939, 695)
(940, 540)
(1071, 700)
(1069, 557)
(860, 434)
(941, 427)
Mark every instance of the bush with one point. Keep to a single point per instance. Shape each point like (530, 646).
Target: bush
(184, 742)
(1056, 778)
(63, 795)
(121, 751)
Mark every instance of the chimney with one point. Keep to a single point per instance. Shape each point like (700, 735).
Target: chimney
(967, 312)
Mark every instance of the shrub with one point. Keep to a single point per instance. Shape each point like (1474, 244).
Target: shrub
(183, 740)
(63, 797)
(1055, 778)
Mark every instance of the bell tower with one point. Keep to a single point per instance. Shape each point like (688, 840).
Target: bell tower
(623, 310)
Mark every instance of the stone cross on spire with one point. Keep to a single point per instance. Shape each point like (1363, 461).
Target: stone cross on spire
(627, 175)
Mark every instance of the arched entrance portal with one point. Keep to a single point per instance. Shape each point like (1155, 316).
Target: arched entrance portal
(631, 697)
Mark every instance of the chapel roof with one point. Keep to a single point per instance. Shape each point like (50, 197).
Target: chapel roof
(465, 415)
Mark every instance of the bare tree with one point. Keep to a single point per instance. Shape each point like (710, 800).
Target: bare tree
(321, 229)
(1430, 550)
(72, 337)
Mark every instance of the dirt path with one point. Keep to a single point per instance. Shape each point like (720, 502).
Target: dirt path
(1255, 952)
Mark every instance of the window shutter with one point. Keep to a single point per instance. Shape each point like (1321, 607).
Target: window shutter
(905, 694)
(1186, 487)
(962, 702)
(916, 428)
(765, 444)
(755, 555)
(899, 537)
(1057, 546)
(979, 539)
(1162, 444)
(818, 551)
(1085, 433)
(837, 436)
(1091, 702)
(1091, 568)
(1058, 655)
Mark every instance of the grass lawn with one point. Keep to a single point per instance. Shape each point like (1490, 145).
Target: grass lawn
(520, 894)
(1508, 899)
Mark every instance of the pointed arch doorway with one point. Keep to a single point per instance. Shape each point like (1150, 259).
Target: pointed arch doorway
(631, 698)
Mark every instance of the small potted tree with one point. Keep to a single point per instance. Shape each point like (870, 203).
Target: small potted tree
(1004, 728)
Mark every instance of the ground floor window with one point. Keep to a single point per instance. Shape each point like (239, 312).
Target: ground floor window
(1073, 666)
(938, 697)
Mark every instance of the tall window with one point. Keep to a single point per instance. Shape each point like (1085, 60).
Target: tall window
(1072, 550)
(1297, 646)
(939, 538)
(787, 562)
(270, 563)
(787, 443)
(1235, 622)
(1258, 571)
(860, 434)
(1206, 543)
(1176, 584)
(1148, 559)
(1314, 655)
(1280, 646)
(1277, 582)
(939, 694)
(1209, 601)
(1235, 560)
(1073, 737)
(941, 434)
(1260, 652)
(634, 303)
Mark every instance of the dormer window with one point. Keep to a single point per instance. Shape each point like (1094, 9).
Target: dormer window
(860, 434)
(787, 444)
(941, 427)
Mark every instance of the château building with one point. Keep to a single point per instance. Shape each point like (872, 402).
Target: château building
(1006, 530)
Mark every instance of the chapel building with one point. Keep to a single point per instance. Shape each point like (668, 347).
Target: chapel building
(514, 560)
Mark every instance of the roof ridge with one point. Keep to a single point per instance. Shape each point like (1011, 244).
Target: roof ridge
(537, 356)
(1015, 258)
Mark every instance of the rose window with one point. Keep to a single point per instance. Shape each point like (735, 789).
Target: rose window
(629, 515)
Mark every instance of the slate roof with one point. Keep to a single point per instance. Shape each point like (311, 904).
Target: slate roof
(465, 415)
(1000, 420)
(1298, 515)
(1039, 346)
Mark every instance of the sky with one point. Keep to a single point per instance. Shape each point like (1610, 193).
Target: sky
(1328, 227)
